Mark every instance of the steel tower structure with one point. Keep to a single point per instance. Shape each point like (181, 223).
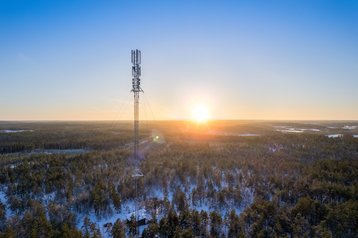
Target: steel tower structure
(136, 89)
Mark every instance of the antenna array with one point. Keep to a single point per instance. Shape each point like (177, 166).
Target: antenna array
(136, 89)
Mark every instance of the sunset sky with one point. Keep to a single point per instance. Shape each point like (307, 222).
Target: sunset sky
(70, 60)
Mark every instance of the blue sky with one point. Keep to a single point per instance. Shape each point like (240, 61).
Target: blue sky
(70, 60)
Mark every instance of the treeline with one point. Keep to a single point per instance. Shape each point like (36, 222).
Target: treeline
(62, 135)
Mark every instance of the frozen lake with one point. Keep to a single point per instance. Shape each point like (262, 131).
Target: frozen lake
(224, 133)
(335, 136)
(287, 129)
(350, 127)
(14, 131)
(59, 151)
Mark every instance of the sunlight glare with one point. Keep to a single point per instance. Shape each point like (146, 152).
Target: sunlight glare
(200, 113)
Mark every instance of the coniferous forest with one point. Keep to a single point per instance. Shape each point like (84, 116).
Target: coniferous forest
(217, 179)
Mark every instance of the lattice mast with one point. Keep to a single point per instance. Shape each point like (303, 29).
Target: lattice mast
(136, 89)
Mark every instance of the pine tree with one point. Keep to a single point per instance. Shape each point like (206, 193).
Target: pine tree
(234, 225)
(163, 227)
(196, 223)
(215, 224)
(115, 199)
(204, 223)
(66, 233)
(9, 233)
(152, 230)
(118, 230)
(132, 226)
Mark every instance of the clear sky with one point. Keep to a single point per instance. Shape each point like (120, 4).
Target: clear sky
(70, 60)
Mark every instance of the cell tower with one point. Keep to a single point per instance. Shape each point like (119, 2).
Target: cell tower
(136, 89)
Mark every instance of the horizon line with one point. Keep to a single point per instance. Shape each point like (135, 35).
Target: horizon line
(163, 120)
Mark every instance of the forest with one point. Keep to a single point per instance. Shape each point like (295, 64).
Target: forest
(217, 179)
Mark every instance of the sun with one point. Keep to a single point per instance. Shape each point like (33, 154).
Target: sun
(200, 113)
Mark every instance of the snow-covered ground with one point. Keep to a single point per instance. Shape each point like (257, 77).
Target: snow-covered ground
(14, 131)
(275, 148)
(225, 133)
(349, 127)
(249, 134)
(287, 129)
(128, 207)
(128, 210)
(4, 200)
(59, 151)
(334, 135)
(47, 198)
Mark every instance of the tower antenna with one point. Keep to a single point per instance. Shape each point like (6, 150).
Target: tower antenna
(136, 89)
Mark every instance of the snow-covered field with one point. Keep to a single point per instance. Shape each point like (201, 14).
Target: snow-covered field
(249, 134)
(14, 131)
(225, 133)
(350, 127)
(287, 129)
(335, 135)
(59, 151)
